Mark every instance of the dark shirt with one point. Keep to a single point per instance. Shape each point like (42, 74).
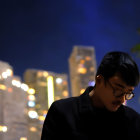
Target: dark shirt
(75, 118)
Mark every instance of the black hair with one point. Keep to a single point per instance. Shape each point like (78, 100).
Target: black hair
(122, 63)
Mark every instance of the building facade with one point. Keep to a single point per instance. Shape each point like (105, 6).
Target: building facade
(82, 68)
(13, 123)
(46, 87)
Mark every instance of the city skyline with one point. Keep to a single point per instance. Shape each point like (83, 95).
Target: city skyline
(41, 34)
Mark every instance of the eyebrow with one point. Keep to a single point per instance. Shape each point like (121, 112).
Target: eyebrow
(122, 86)
(119, 85)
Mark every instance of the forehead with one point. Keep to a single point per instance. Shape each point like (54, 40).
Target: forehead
(117, 80)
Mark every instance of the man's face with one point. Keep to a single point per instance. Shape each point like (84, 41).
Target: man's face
(112, 93)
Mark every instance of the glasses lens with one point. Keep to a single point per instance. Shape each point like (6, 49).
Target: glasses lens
(118, 93)
(129, 96)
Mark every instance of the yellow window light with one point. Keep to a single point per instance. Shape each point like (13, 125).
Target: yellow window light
(82, 91)
(41, 118)
(9, 72)
(44, 112)
(23, 138)
(88, 58)
(82, 70)
(50, 90)
(3, 87)
(31, 91)
(33, 129)
(65, 93)
(3, 128)
(82, 61)
(45, 74)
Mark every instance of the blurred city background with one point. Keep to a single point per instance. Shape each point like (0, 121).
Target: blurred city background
(50, 50)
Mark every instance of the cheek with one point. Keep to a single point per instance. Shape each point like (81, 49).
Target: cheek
(107, 96)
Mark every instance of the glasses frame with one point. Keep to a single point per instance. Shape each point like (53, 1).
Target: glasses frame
(123, 92)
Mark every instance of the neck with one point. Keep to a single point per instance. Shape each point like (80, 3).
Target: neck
(95, 99)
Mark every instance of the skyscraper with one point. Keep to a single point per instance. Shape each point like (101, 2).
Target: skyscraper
(82, 68)
(46, 87)
(13, 100)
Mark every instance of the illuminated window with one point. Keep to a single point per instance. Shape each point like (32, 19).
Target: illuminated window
(82, 70)
(10, 89)
(59, 80)
(88, 58)
(23, 138)
(9, 72)
(24, 87)
(31, 97)
(44, 112)
(45, 74)
(16, 83)
(31, 103)
(3, 87)
(82, 91)
(50, 90)
(92, 69)
(31, 91)
(39, 74)
(4, 75)
(3, 128)
(65, 93)
(57, 97)
(33, 114)
(82, 61)
(65, 83)
(41, 118)
(33, 129)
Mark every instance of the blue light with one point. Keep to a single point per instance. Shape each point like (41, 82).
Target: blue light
(31, 103)
(91, 83)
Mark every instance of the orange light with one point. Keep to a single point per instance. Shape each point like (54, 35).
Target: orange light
(10, 89)
(82, 61)
(65, 93)
(88, 58)
(82, 70)
(82, 91)
(31, 97)
(33, 129)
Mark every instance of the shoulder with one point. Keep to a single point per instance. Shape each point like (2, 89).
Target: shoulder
(131, 113)
(65, 105)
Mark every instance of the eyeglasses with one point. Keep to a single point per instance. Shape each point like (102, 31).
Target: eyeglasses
(119, 92)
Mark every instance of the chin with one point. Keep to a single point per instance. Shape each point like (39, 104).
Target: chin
(113, 108)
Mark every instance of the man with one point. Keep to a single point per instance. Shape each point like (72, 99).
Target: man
(100, 111)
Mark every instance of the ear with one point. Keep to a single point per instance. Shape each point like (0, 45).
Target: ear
(99, 79)
(98, 76)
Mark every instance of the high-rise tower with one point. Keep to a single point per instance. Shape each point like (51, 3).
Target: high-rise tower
(13, 101)
(45, 87)
(82, 67)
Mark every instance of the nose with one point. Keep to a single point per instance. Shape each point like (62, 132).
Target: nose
(122, 99)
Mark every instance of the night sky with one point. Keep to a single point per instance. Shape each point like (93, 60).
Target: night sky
(41, 34)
